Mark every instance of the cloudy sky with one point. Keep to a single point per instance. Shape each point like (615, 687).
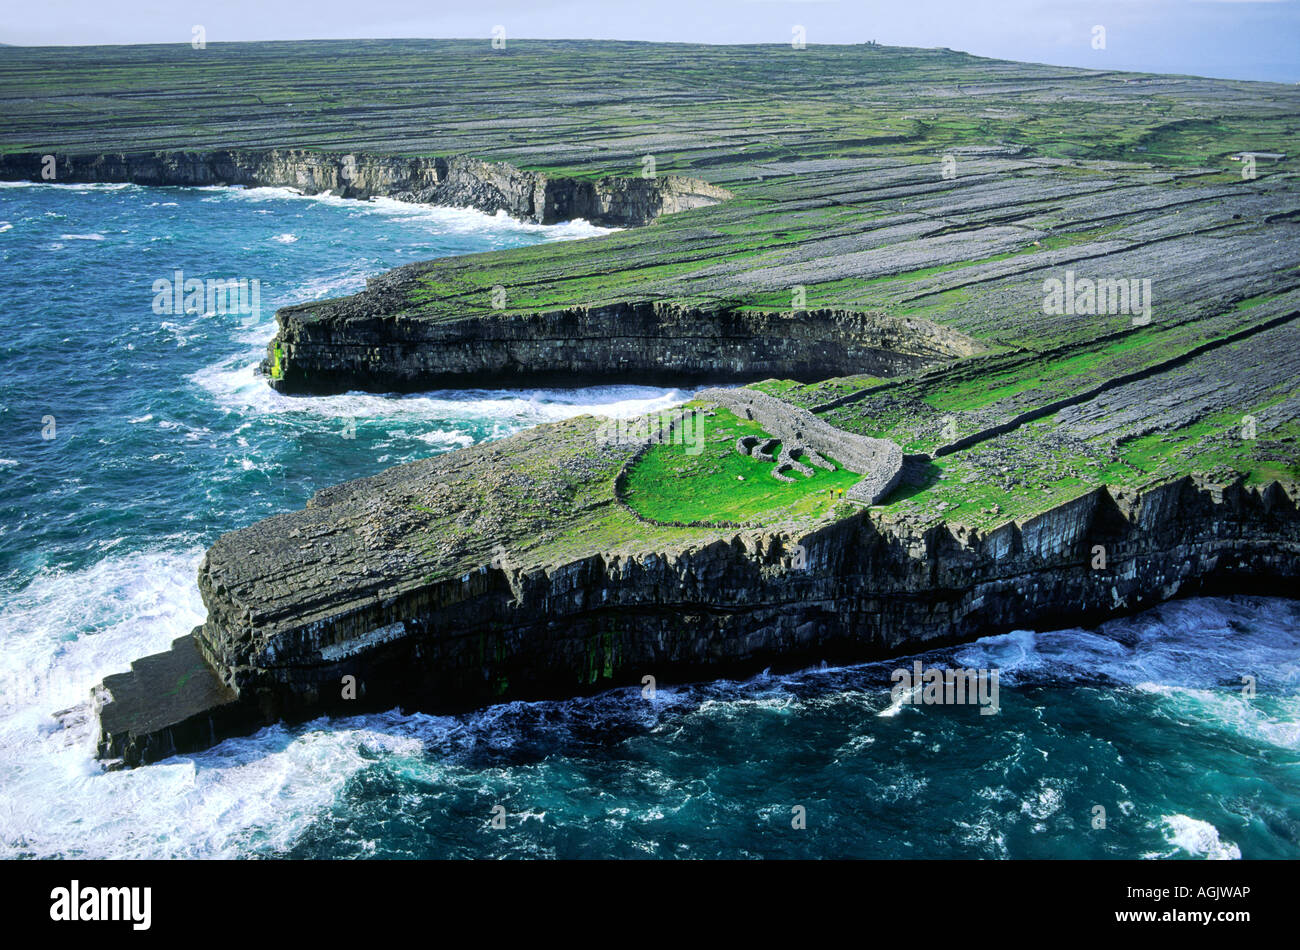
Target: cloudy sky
(1245, 39)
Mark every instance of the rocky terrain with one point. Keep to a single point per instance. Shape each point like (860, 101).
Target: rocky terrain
(1053, 290)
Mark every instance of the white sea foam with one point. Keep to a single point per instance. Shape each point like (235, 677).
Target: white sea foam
(332, 285)
(236, 385)
(1271, 720)
(444, 219)
(471, 221)
(1045, 802)
(1155, 647)
(1197, 838)
(82, 237)
(439, 437)
(63, 633)
(72, 186)
(63, 630)
(899, 700)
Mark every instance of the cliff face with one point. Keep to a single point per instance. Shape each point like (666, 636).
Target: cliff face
(456, 180)
(864, 590)
(373, 341)
(302, 601)
(368, 342)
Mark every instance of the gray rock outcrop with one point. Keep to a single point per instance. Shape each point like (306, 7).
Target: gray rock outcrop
(456, 181)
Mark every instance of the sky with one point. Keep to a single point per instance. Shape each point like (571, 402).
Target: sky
(1236, 39)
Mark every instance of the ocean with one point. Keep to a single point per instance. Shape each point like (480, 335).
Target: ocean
(133, 437)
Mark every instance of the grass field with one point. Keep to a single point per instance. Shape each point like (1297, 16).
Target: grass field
(719, 484)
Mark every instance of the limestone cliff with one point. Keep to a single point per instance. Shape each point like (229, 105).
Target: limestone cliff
(370, 341)
(458, 181)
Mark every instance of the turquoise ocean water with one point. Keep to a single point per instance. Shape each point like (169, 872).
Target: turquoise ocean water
(163, 437)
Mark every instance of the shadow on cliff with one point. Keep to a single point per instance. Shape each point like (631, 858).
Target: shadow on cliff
(918, 474)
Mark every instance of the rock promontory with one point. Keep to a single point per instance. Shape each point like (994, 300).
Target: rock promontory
(423, 587)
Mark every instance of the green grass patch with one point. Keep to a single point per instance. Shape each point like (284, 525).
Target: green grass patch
(720, 484)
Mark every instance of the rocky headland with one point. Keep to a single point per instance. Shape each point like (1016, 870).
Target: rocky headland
(366, 599)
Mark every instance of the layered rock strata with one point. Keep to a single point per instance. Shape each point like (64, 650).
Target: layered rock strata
(370, 342)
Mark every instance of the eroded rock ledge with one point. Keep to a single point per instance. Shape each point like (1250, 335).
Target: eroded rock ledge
(420, 583)
(458, 181)
(371, 341)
